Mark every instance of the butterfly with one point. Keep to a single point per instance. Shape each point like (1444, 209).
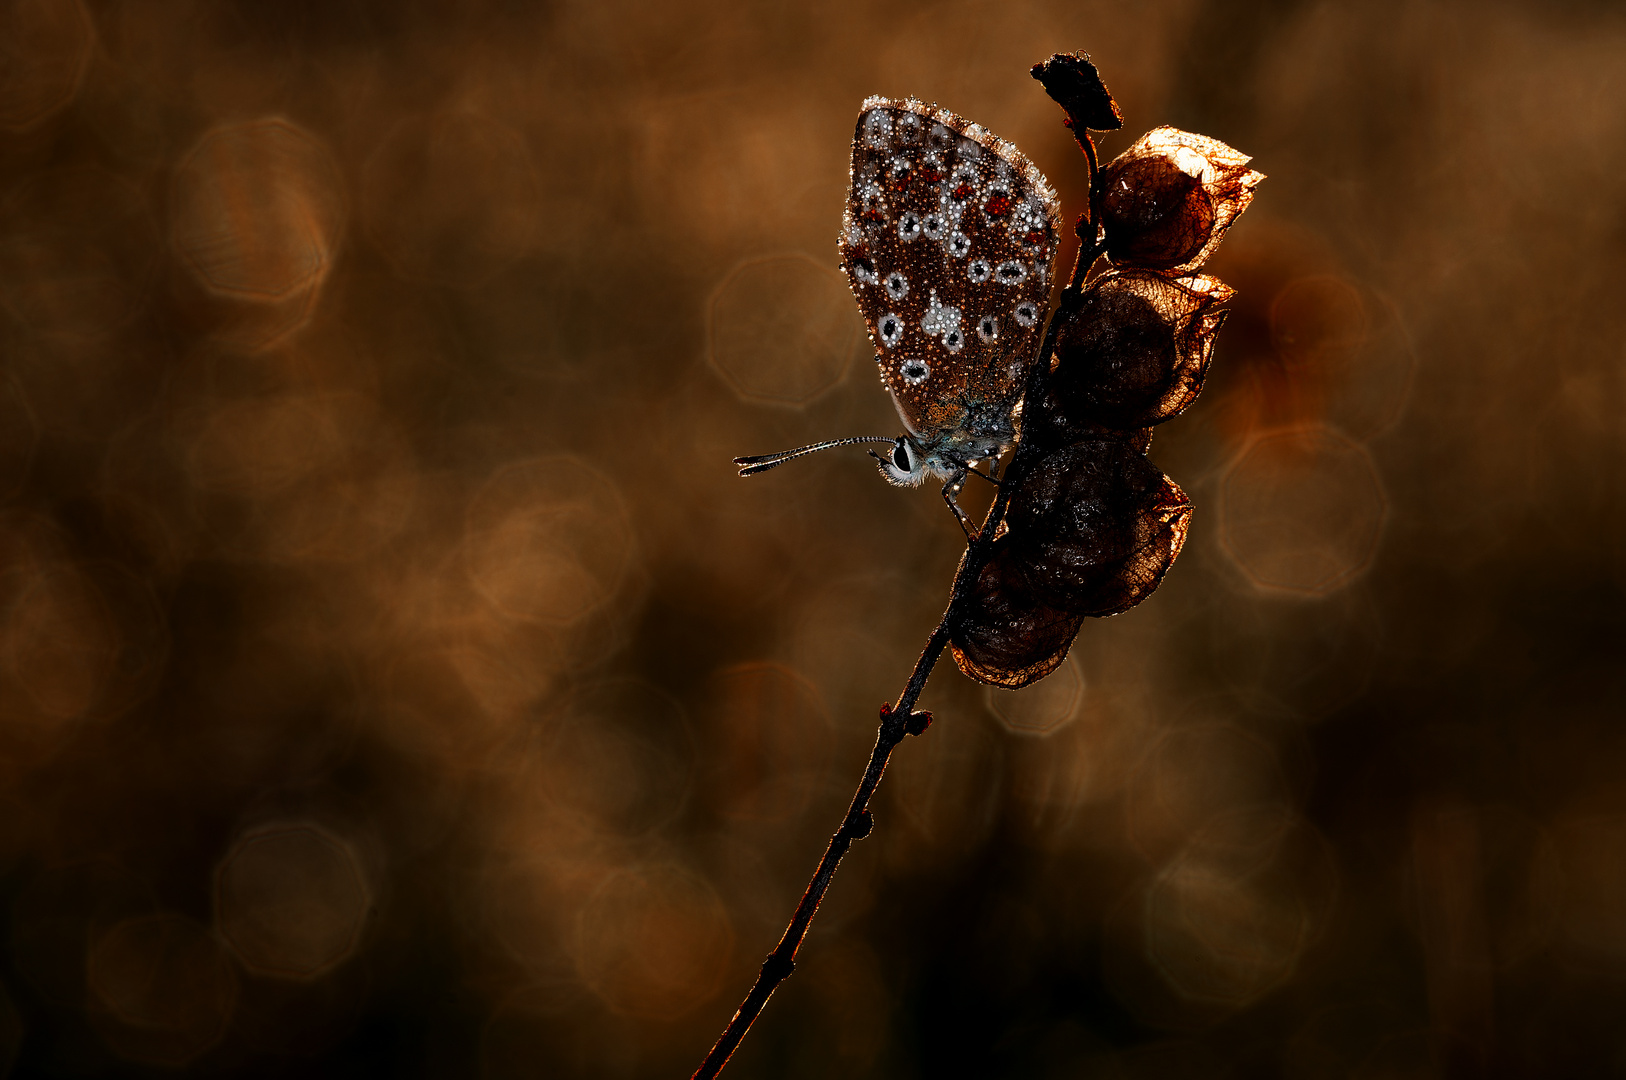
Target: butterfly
(948, 240)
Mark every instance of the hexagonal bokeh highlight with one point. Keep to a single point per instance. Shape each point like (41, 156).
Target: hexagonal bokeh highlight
(1302, 511)
(59, 644)
(548, 540)
(291, 901)
(653, 942)
(11, 1032)
(772, 739)
(1229, 917)
(453, 198)
(617, 760)
(77, 249)
(1221, 937)
(165, 989)
(1043, 708)
(44, 50)
(1345, 347)
(256, 212)
(782, 330)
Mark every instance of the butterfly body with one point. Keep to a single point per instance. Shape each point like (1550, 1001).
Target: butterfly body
(964, 431)
(948, 241)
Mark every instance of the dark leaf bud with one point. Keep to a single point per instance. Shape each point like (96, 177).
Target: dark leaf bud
(1074, 84)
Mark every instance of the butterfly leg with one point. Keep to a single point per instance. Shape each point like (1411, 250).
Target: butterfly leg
(950, 490)
(988, 476)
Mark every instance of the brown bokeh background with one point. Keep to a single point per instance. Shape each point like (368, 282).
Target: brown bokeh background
(395, 679)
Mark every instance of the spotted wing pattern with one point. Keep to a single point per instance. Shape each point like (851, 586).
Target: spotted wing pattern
(949, 242)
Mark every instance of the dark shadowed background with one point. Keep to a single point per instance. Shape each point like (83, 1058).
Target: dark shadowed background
(396, 680)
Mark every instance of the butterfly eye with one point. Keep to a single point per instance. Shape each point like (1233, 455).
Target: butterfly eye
(897, 286)
(953, 341)
(1026, 313)
(900, 456)
(959, 244)
(914, 372)
(978, 271)
(988, 328)
(863, 268)
(891, 328)
(932, 225)
(908, 225)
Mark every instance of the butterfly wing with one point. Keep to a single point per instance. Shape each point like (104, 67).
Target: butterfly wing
(949, 242)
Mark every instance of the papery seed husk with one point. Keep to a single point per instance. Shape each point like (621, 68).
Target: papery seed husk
(1133, 353)
(1154, 220)
(1094, 528)
(1006, 636)
(1154, 213)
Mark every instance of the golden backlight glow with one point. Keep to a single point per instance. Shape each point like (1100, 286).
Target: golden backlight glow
(396, 679)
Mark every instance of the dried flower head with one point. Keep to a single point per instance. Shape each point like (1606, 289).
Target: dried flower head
(1167, 200)
(1133, 353)
(1092, 531)
(1009, 637)
(1095, 527)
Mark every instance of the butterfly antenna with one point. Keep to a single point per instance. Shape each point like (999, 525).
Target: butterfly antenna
(750, 466)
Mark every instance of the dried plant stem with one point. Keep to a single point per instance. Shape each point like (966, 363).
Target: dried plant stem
(900, 718)
(896, 721)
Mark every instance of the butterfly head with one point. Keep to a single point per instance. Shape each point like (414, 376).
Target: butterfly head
(905, 464)
(945, 454)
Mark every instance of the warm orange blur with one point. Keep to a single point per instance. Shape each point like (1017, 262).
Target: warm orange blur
(395, 678)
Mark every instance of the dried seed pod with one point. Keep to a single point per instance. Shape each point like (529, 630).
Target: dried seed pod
(1133, 353)
(1091, 532)
(1167, 200)
(1008, 637)
(1094, 528)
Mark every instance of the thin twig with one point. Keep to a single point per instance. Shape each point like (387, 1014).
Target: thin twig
(900, 718)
